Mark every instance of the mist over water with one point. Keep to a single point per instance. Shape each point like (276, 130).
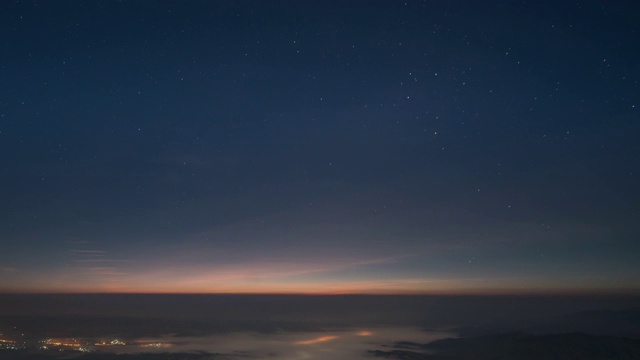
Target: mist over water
(288, 327)
(335, 344)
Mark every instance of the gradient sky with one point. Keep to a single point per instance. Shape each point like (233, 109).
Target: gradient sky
(319, 147)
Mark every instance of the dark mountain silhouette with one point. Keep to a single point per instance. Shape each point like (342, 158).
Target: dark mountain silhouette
(518, 345)
(598, 323)
(609, 323)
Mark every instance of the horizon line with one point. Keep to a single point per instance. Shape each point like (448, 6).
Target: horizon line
(502, 292)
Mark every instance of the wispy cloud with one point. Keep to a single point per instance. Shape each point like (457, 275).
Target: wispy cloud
(88, 252)
(102, 261)
(102, 271)
(97, 265)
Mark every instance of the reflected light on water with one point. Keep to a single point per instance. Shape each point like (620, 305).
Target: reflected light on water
(317, 340)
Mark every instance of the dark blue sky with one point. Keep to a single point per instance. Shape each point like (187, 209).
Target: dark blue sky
(287, 146)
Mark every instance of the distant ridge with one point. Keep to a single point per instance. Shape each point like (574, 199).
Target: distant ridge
(519, 345)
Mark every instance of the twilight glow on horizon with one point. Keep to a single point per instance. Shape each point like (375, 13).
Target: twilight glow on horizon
(368, 147)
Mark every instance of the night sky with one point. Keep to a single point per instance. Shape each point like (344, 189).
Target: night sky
(320, 146)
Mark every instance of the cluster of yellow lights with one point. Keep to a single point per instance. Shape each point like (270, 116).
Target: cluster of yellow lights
(55, 342)
(6, 341)
(115, 342)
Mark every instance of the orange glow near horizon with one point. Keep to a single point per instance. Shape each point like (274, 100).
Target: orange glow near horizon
(364, 333)
(294, 278)
(318, 340)
(322, 290)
